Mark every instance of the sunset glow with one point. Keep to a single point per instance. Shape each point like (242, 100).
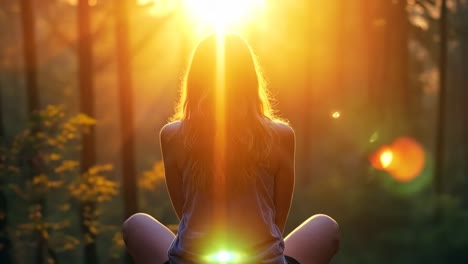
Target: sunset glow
(223, 15)
(159, 7)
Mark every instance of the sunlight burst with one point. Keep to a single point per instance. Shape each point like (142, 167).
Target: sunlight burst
(159, 7)
(223, 15)
(224, 256)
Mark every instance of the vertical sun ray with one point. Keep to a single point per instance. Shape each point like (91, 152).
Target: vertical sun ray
(220, 132)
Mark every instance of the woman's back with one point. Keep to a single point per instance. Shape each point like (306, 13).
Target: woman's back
(229, 169)
(242, 219)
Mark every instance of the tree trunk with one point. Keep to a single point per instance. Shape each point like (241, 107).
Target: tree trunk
(464, 92)
(86, 87)
(32, 93)
(5, 254)
(41, 255)
(88, 210)
(30, 57)
(375, 23)
(440, 133)
(126, 108)
(459, 180)
(5, 250)
(2, 125)
(399, 80)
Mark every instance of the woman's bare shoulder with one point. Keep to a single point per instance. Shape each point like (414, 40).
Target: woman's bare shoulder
(283, 129)
(169, 130)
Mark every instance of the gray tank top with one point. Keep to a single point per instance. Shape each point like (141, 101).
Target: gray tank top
(236, 227)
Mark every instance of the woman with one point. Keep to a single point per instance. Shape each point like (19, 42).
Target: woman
(229, 167)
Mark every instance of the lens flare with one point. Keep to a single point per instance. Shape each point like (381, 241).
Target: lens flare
(382, 158)
(224, 256)
(409, 159)
(386, 158)
(404, 159)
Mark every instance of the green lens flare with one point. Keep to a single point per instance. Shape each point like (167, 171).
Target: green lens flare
(224, 256)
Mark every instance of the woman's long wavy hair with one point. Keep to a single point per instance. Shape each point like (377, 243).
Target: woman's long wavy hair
(248, 116)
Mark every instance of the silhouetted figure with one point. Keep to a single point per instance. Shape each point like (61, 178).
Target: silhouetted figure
(229, 167)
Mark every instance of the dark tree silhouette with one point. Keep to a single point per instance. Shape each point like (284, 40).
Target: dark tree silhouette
(30, 56)
(33, 103)
(376, 32)
(440, 136)
(88, 154)
(398, 77)
(5, 250)
(126, 108)
(2, 125)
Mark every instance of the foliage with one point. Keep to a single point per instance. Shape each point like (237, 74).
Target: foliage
(40, 164)
(152, 178)
(93, 187)
(151, 184)
(316, 59)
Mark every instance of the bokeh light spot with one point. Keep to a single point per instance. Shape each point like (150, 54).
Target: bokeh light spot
(382, 158)
(404, 159)
(410, 159)
(374, 137)
(386, 158)
(336, 114)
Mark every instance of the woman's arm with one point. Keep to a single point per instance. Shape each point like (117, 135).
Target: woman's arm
(284, 178)
(171, 170)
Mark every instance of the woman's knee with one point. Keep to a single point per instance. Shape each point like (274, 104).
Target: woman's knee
(327, 225)
(317, 238)
(327, 228)
(136, 220)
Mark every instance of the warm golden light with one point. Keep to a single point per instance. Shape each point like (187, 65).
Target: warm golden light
(374, 137)
(159, 7)
(382, 158)
(404, 159)
(224, 256)
(336, 114)
(409, 159)
(220, 134)
(223, 15)
(386, 158)
(75, 2)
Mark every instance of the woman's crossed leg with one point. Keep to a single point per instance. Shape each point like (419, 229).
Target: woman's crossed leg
(146, 239)
(315, 241)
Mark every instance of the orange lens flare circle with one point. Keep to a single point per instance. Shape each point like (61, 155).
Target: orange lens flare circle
(404, 159)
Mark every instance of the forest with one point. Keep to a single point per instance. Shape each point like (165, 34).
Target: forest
(374, 90)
